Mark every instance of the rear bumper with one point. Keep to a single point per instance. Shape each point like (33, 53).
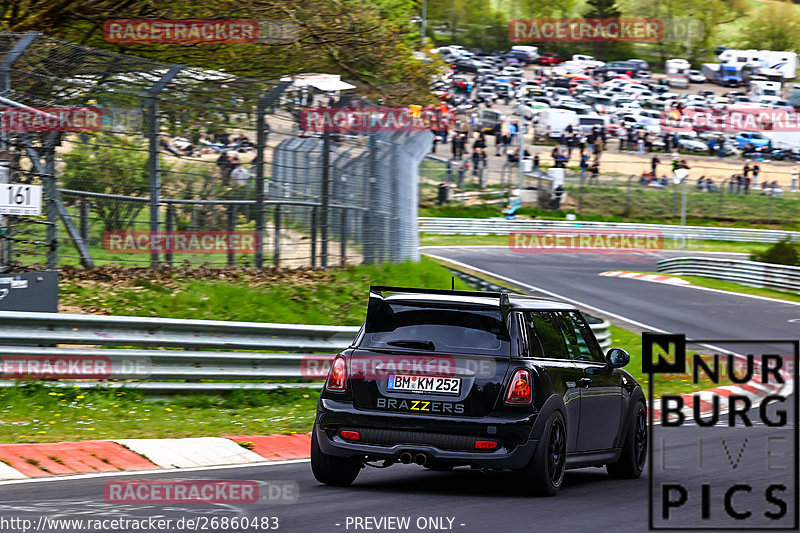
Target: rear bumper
(511, 430)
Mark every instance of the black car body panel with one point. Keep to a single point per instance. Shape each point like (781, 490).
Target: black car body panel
(549, 340)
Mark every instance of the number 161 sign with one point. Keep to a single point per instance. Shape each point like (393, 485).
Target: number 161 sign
(20, 199)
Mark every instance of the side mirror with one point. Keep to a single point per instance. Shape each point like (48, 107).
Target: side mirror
(617, 358)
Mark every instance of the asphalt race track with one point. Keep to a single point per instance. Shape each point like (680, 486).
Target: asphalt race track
(486, 502)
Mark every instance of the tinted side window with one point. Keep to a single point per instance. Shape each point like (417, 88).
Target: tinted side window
(580, 341)
(544, 335)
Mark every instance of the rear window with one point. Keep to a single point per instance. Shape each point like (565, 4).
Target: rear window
(458, 330)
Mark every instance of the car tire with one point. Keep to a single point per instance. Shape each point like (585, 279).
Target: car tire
(329, 469)
(630, 464)
(544, 474)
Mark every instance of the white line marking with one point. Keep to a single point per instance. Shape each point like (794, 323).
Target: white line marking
(149, 472)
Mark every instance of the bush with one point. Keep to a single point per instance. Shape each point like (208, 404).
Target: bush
(783, 252)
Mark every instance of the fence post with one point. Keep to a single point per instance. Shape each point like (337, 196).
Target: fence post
(370, 230)
(722, 196)
(628, 194)
(153, 163)
(231, 228)
(313, 237)
(51, 209)
(261, 144)
(674, 199)
(277, 253)
(171, 216)
(85, 207)
(326, 178)
(343, 237)
(770, 208)
(580, 192)
(5, 72)
(52, 192)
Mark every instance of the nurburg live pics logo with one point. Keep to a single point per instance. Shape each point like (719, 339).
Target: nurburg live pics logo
(717, 472)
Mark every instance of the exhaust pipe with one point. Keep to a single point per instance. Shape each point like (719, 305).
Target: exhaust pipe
(405, 458)
(420, 459)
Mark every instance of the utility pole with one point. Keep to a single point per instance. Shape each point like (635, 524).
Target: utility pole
(521, 134)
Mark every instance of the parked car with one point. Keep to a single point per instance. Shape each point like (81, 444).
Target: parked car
(755, 139)
(485, 386)
(689, 142)
(549, 59)
(695, 76)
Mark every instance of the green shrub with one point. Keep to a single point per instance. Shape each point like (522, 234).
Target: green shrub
(783, 252)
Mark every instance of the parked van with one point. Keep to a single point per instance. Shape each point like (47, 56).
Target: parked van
(553, 122)
(489, 118)
(531, 51)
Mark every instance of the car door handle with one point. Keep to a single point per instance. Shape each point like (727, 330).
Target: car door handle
(584, 382)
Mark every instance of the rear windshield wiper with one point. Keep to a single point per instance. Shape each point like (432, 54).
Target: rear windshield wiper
(421, 345)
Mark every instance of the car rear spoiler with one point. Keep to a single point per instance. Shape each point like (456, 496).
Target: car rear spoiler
(505, 305)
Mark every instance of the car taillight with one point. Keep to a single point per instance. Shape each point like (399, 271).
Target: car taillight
(351, 435)
(337, 377)
(485, 445)
(520, 390)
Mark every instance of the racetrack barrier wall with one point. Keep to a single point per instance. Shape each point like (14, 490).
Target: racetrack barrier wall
(500, 226)
(751, 273)
(182, 355)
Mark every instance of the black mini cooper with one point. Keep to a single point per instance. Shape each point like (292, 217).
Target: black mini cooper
(489, 380)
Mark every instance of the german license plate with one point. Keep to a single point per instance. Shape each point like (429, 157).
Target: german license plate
(435, 384)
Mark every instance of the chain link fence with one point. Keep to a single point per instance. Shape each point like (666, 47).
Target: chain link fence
(158, 164)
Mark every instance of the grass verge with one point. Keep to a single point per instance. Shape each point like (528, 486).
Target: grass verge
(38, 412)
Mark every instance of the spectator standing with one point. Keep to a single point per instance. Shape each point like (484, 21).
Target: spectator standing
(747, 184)
(570, 145)
(756, 170)
(584, 165)
(595, 169)
(654, 165)
(225, 166)
(536, 162)
(476, 160)
(240, 176)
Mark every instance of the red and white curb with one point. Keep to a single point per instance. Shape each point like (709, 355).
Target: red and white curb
(38, 460)
(658, 278)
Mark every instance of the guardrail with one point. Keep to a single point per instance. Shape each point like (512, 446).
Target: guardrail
(501, 226)
(31, 351)
(191, 363)
(751, 273)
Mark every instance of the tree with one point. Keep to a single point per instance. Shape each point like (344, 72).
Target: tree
(346, 37)
(111, 165)
(774, 26)
(602, 9)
